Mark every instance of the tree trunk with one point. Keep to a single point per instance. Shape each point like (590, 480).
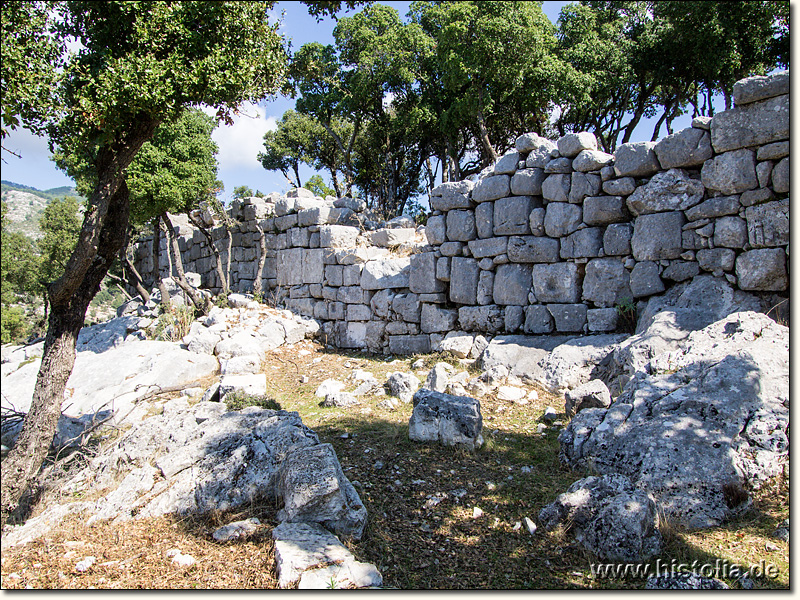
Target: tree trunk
(157, 280)
(134, 278)
(262, 258)
(69, 298)
(217, 256)
(200, 302)
(485, 142)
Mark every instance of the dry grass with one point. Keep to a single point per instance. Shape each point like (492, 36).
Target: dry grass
(415, 546)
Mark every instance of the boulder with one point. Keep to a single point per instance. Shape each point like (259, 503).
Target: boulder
(636, 159)
(403, 385)
(457, 343)
(571, 144)
(521, 355)
(439, 377)
(753, 89)
(609, 517)
(492, 188)
(706, 424)
(686, 148)
(387, 273)
(449, 420)
(592, 394)
(573, 362)
(732, 172)
(666, 191)
(751, 125)
(308, 555)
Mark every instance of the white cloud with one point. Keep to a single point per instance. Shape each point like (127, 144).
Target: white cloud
(240, 143)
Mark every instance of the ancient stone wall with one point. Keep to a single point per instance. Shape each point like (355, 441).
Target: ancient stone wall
(551, 239)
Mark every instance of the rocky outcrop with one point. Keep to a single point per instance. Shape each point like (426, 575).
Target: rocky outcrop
(449, 420)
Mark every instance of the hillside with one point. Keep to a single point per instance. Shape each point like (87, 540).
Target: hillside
(26, 205)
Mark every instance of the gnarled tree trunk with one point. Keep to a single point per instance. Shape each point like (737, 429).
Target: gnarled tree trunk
(201, 302)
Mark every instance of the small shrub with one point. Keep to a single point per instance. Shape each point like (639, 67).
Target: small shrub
(173, 325)
(626, 310)
(237, 400)
(221, 301)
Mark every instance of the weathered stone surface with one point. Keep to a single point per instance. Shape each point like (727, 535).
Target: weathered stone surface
(536, 221)
(759, 87)
(507, 163)
(313, 266)
(527, 182)
(607, 282)
(560, 164)
(583, 185)
(774, 151)
(762, 270)
(512, 282)
(409, 344)
(556, 283)
(592, 394)
(236, 530)
(340, 400)
(685, 581)
(457, 343)
(403, 385)
(485, 319)
(780, 177)
(385, 274)
(568, 317)
(492, 188)
(571, 144)
(602, 210)
(541, 150)
(464, 273)
(449, 420)
(609, 517)
(436, 230)
(561, 219)
(314, 488)
(714, 207)
(488, 247)
(290, 266)
(768, 224)
(461, 226)
(422, 275)
(435, 319)
(666, 191)
(538, 319)
(531, 249)
(716, 260)
(645, 279)
(351, 334)
(680, 270)
(584, 243)
(511, 215)
(555, 188)
(731, 173)
(686, 148)
(531, 141)
(624, 186)
(452, 194)
(730, 232)
(662, 433)
(521, 355)
(751, 125)
(602, 319)
(591, 160)
(310, 556)
(658, 236)
(636, 159)
(617, 239)
(390, 238)
(439, 377)
(484, 219)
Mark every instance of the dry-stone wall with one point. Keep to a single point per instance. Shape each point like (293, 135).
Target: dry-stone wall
(549, 240)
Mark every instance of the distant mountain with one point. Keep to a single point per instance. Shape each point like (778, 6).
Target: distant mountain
(26, 205)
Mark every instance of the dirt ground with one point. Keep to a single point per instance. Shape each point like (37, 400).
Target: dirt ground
(439, 518)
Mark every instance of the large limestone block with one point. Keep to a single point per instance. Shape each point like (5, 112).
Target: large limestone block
(352, 334)
(452, 194)
(636, 159)
(561, 219)
(422, 277)
(527, 182)
(751, 125)
(714, 207)
(435, 319)
(290, 266)
(658, 236)
(530, 249)
(449, 420)
(391, 238)
(511, 215)
(512, 282)
(337, 236)
(555, 188)
(753, 89)
(617, 239)
(731, 172)
(762, 270)
(507, 163)
(436, 230)
(571, 144)
(314, 489)
(780, 177)
(583, 185)
(568, 317)
(313, 266)
(666, 191)
(768, 224)
(410, 344)
(584, 243)
(484, 219)
(556, 283)
(602, 210)
(607, 282)
(386, 273)
(484, 319)
(645, 279)
(686, 148)
(492, 188)
(464, 273)
(592, 160)
(254, 384)
(461, 226)
(488, 247)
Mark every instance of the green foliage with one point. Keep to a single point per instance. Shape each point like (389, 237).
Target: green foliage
(237, 400)
(242, 191)
(221, 300)
(317, 185)
(60, 224)
(172, 326)
(627, 315)
(176, 169)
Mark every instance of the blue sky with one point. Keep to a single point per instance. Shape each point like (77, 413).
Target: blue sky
(239, 144)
